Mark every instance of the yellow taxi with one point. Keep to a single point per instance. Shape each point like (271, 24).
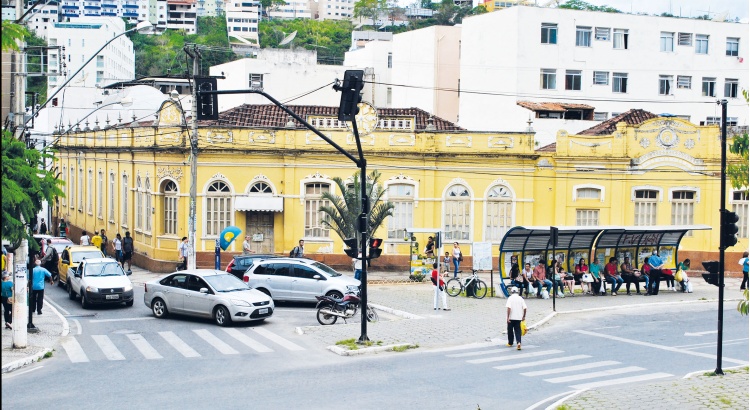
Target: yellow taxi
(72, 255)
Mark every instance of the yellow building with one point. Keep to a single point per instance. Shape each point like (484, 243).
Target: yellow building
(263, 172)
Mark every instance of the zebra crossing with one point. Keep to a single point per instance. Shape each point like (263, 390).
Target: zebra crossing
(578, 371)
(168, 344)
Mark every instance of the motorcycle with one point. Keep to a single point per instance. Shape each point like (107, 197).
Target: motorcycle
(330, 309)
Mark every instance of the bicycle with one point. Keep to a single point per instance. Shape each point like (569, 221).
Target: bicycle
(455, 286)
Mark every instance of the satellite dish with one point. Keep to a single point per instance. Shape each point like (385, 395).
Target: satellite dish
(288, 39)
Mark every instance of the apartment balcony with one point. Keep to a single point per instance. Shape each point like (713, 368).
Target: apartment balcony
(109, 6)
(130, 6)
(92, 7)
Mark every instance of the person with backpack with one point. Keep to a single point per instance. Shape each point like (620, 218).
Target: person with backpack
(298, 251)
(50, 260)
(127, 251)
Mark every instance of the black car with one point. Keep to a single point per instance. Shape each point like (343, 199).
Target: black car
(241, 263)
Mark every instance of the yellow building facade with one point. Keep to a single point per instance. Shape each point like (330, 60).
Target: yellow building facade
(263, 172)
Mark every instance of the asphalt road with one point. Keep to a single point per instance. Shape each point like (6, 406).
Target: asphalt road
(267, 365)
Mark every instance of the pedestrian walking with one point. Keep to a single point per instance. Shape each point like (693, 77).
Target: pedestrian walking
(298, 251)
(43, 227)
(440, 288)
(357, 266)
(96, 240)
(182, 251)
(85, 239)
(745, 263)
(127, 251)
(105, 242)
(516, 313)
(50, 260)
(7, 300)
(38, 276)
(458, 257)
(246, 245)
(62, 228)
(117, 247)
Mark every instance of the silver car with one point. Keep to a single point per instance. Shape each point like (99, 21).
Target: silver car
(207, 293)
(298, 279)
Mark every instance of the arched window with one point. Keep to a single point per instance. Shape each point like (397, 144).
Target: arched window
(147, 210)
(402, 197)
(100, 195)
(169, 192)
(314, 227)
(80, 189)
(138, 204)
(72, 188)
(90, 193)
(124, 196)
(499, 216)
(261, 188)
(457, 211)
(66, 185)
(111, 196)
(218, 208)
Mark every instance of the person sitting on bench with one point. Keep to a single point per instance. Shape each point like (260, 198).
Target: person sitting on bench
(540, 279)
(610, 270)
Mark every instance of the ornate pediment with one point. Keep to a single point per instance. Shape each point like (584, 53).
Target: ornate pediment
(170, 115)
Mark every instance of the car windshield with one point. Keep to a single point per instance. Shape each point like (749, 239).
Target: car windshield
(79, 256)
(225, 283)
(327, 269)
(103, 269)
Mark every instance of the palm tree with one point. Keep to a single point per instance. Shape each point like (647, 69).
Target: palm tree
(341, 215)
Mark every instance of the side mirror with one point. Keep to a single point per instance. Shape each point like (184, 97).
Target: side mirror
(204, 290)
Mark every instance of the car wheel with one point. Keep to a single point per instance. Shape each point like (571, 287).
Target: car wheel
(84, 303)
(221, 316)
(129, 304)
(159, 308)
(71, 293)
(335, 294)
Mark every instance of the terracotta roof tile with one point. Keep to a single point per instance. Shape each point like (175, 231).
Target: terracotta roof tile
(271, 116)
(552, 106)
(632, 117)
(548, 148)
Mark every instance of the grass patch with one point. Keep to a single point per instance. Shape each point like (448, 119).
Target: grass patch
(48, 355)
(352, 344)
(725, 400)
(709, 374)
(562, 407)
(702, 299)
(404, 348)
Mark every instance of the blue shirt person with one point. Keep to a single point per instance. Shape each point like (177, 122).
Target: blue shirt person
(38, 275)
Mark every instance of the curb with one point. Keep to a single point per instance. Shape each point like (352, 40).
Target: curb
(26, 361)
(399, 313)
(66, 325)
(700, 372)
(368, 350)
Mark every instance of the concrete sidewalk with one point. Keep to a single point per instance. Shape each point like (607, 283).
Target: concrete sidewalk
(52, 327)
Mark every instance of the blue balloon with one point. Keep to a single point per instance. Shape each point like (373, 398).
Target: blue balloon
(228, 235)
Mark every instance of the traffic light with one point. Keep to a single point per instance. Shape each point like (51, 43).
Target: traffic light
(350, 89)
(208, 105)
(437, 242)
(553, 234)
(351, 247)
(729, 228)
(712, 276)
(374, 250)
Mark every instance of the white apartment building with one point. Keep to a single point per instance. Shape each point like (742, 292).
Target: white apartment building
(334, 9)
(242, 22)
(154, 11)
(81, 39)
(569, 69)
(42, 17)
(210, 8)
(287, 75)
(376, 57)
(182, 15)
(293, 9)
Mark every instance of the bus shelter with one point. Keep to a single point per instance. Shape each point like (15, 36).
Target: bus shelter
(522, 244)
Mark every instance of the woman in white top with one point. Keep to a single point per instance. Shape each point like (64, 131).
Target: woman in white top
(457, 256)
(117, 246)
(85, 239)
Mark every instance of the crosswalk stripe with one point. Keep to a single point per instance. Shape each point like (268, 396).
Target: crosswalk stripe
(247, 341)
(546, 361)
(570, 368)
(483, 352)
(144, 347)
(593, 375)
(278, 339)
(214, 341)
(515, 356)
(108, 348)
(75, 351)
(623, 380)
(179, 344)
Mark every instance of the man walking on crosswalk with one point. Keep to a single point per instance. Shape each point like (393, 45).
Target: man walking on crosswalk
(516, 313)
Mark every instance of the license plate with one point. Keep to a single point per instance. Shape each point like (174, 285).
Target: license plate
(262, 311)
(112, 296)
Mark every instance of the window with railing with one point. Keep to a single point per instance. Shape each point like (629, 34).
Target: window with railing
(683, 208)
(218, 208)
(402, 197)
(587, 217)
(645, 207)
(170, 196)
(314, 227)
(457, 213)
(499, 216)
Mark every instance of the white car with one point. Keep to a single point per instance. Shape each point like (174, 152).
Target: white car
(207, 293)
(100, 281)
(298, 279)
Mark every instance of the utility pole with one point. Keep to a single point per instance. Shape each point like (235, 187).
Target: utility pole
(196, 56)
(18, 70)
(722, 240)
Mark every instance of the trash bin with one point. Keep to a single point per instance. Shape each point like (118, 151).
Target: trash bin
(470, 288)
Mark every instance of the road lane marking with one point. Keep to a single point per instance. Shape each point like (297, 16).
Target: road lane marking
(58, 307)
(108, 348)
(214, 341)
(78, 326)
(507, 349)
(278, 339)
(247, 341)
(623, 380)
(546, 361)
(570, 368)
(593, 375)
(655, 346)
(75, 351)
(515, 356)
(179, 344)
(711, 344)
(144, 347)
(18, 373)
(128, 319)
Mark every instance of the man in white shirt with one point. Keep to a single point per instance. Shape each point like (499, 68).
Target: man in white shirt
(516, 308)
(246, 245)
(182, 251)
(85, 239)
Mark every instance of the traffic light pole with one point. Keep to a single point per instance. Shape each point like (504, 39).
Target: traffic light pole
(722, 241)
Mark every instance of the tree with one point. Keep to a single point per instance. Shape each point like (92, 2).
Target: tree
(738, 173)
(25, 184)
(370, 9)
(341, 215)
(582, 5)
(11, 33)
